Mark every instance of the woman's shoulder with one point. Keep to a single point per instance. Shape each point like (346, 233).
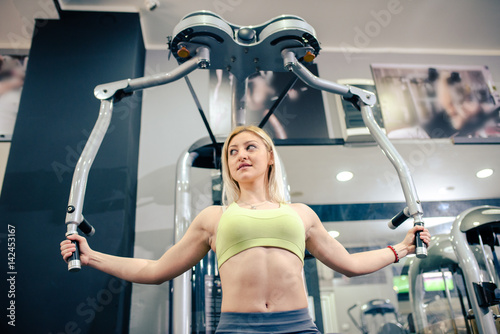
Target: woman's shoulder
(212, 211)
(302, 209)
(308, 216)
(208, 218)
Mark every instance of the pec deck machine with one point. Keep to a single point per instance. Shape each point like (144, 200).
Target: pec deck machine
(203, 40)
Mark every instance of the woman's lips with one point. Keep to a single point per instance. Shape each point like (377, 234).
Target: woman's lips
(243, 165)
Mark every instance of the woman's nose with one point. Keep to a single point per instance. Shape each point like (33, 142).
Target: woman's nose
(242, 155)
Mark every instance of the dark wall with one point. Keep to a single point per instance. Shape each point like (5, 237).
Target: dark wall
(68, 58)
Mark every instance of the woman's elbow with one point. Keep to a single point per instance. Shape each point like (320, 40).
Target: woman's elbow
(350, 273)
(159, 279)
(158, 282)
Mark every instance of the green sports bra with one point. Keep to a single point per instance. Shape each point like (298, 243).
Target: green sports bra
(240, 229)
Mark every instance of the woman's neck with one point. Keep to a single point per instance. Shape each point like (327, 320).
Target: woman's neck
(253, 194)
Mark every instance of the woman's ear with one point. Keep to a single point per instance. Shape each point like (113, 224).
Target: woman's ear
(271, 158)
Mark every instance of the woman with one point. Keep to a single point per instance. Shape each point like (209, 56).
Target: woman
(259, 241)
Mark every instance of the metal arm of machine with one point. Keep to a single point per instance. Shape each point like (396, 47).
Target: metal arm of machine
(201, 60)
(108, 93)
(363, 100)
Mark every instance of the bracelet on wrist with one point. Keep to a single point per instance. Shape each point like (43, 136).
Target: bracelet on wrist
(395, 253)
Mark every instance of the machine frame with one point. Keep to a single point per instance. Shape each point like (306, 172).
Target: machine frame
(203, 40)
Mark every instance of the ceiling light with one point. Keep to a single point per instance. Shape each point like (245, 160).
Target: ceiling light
(334, 234)
(344, 176)
(483, 173)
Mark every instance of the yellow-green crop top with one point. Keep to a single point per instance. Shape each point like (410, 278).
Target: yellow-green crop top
(240, 229)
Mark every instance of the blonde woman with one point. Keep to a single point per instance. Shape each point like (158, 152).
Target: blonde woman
(260, 242)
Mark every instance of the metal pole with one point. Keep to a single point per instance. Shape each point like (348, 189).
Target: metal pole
(364, 99)
(472, 274)
(182, 284)
(417, 292)
(201, 60)
(486, 261)
(448, 298)
(238, 102)
(79, 183)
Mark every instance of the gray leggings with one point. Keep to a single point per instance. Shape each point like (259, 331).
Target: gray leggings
(289, 322)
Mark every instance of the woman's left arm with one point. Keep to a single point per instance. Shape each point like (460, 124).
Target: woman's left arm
(330, 252)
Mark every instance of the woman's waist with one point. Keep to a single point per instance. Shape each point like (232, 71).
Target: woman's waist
(296, 320)
(291, 313)
(259, 304)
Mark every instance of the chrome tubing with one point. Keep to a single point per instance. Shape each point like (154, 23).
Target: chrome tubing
(74, 210)
(365, 100)
(182, 284)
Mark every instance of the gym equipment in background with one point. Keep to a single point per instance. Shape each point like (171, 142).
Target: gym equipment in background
(377, 316)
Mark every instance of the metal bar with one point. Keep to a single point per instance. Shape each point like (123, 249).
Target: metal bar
(182, 284)
(486, 261)
(405, 178)
(108, 90)
(472, 274)
(417, 293)
(238, 103)
(200, 109)
(448, 298)
(363, 99)
(277, 103)
(80, 175)
(310, 79)
(409, 190)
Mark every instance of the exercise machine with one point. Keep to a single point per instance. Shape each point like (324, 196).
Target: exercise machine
(471, 232)
(469, 254)
(436, 290)
(203, 40)
(377, 316)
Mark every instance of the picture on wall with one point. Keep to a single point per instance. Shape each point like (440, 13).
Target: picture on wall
(420, 101)
(12, 73)
(301, 116)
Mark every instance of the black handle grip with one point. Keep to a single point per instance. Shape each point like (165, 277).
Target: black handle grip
(74, 264)
(421, 247)
(398, 219)
(86, 228)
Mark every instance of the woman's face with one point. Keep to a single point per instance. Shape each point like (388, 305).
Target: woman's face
(248, 157)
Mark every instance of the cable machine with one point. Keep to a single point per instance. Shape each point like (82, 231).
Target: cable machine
(203, 40)
(469, 252)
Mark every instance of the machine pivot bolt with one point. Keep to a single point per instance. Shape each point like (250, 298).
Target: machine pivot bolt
(71, 209)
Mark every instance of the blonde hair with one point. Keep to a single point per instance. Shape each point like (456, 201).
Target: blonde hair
(231, 190)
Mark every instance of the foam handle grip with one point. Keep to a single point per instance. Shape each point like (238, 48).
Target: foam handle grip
(74, 264)
(86, 228)
(397, 220)
(421, 247)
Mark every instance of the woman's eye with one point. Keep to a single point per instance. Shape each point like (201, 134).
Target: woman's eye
(251, 147)
(232, 152)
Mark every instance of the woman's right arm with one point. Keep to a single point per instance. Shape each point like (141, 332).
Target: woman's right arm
(193, 246)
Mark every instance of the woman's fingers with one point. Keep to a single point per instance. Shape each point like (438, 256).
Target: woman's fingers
(425, 236)
(67, 248)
